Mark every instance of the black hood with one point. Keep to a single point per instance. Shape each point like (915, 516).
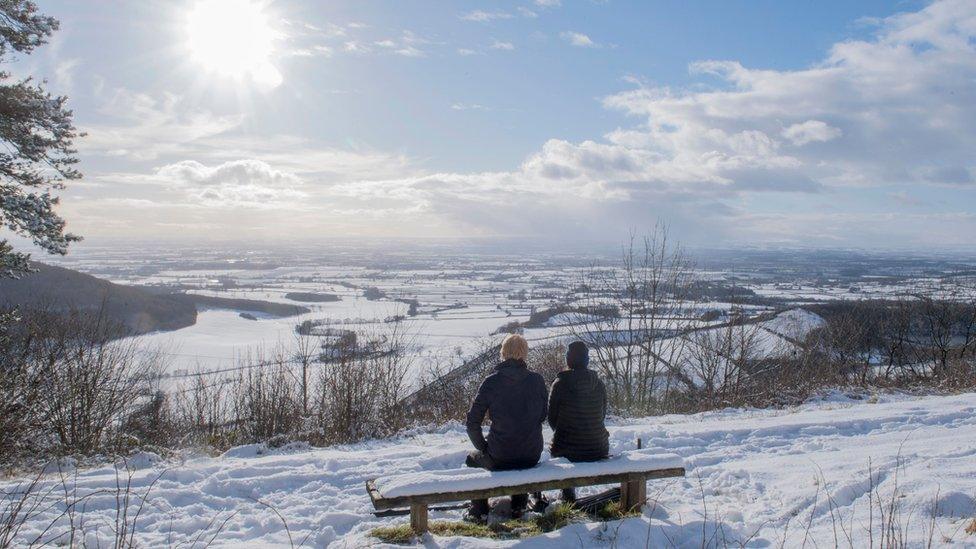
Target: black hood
(512, 370)
(515, 398)
(577, 355)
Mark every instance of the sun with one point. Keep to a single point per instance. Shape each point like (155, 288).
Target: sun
(233, 38)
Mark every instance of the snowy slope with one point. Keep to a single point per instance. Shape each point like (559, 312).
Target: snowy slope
(794, 323)
(768, 476)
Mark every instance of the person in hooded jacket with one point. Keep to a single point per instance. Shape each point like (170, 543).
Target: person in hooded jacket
(577, 411)
(516, 400)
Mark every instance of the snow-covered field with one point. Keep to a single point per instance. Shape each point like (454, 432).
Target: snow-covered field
(765, 478)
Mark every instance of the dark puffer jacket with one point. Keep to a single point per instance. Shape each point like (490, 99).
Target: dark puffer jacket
(516, 399)
(577, 408)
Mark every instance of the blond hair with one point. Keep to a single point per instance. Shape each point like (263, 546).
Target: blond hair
(515, 346)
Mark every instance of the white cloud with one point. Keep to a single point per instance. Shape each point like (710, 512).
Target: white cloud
(877, 115)
(526, 12)
(898, 105)
(468, 107)
(548, 3)
(308, 40)
(140, 126)
(64, 73)
(578, 39)
(239, 183)
(811, 131)
(313, 51)
(895, 109)
(485, 16)
(497, 45)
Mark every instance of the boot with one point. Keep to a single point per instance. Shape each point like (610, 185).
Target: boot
(477, 511)
(519, 503)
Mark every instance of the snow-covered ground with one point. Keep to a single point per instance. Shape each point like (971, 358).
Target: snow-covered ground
(766, 478)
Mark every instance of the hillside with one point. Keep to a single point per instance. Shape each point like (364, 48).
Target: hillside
(772, 477)
(140, 310)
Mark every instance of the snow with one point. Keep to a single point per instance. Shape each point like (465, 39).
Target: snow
(462, 479)
(772, 477)
(794, 323)
(569, 319)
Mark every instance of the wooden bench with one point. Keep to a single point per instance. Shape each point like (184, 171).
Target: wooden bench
(416, 491)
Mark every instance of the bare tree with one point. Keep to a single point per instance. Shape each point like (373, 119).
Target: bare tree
(306, 351)
(897, 346)
(630, 316)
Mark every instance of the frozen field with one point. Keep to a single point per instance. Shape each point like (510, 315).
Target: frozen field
(765, 478)
(458, 300)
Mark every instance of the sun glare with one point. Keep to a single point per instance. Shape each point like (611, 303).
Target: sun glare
(233, 38)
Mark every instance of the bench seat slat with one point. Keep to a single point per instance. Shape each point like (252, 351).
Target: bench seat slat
(448, 494)
(465, 478)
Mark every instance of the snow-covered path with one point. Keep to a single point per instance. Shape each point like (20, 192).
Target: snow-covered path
(755, 475)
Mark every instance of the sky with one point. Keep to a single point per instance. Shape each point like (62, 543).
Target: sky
(761, 123)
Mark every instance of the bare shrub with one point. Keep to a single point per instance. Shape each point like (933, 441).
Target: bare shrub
(718, 363)
(68, 381)
(360, 395)
(202, 412)
(93, 384)
(20, 378)
(266, 401)
(153, 422)
(547, 359)
(445, 391)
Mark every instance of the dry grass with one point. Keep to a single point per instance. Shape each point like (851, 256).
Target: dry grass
(614, 511)
(559, 516)
(971, 529)
(403, 534)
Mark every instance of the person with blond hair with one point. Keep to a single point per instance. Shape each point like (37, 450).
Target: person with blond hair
(516, 399)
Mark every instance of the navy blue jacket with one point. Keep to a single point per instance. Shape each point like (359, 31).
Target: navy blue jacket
(516, 400)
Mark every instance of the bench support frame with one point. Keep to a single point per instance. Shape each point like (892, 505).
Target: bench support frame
(418, 518)
(633, 492)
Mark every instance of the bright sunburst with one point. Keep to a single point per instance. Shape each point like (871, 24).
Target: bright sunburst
(233, 38)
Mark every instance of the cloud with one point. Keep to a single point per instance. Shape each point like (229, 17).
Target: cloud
(548, 3)
(313, 51)
(578, 39)
(816, 155)
(326, 40)
(139, 126)
(892, 110)
(497, 45)
(526, 12)
(811, 131)
(482, 16)
(468, 107)
(882, 111)
(239, 183)
(64, 73)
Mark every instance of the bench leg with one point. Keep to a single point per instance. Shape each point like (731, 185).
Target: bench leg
(633, 494)
(418, 518)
